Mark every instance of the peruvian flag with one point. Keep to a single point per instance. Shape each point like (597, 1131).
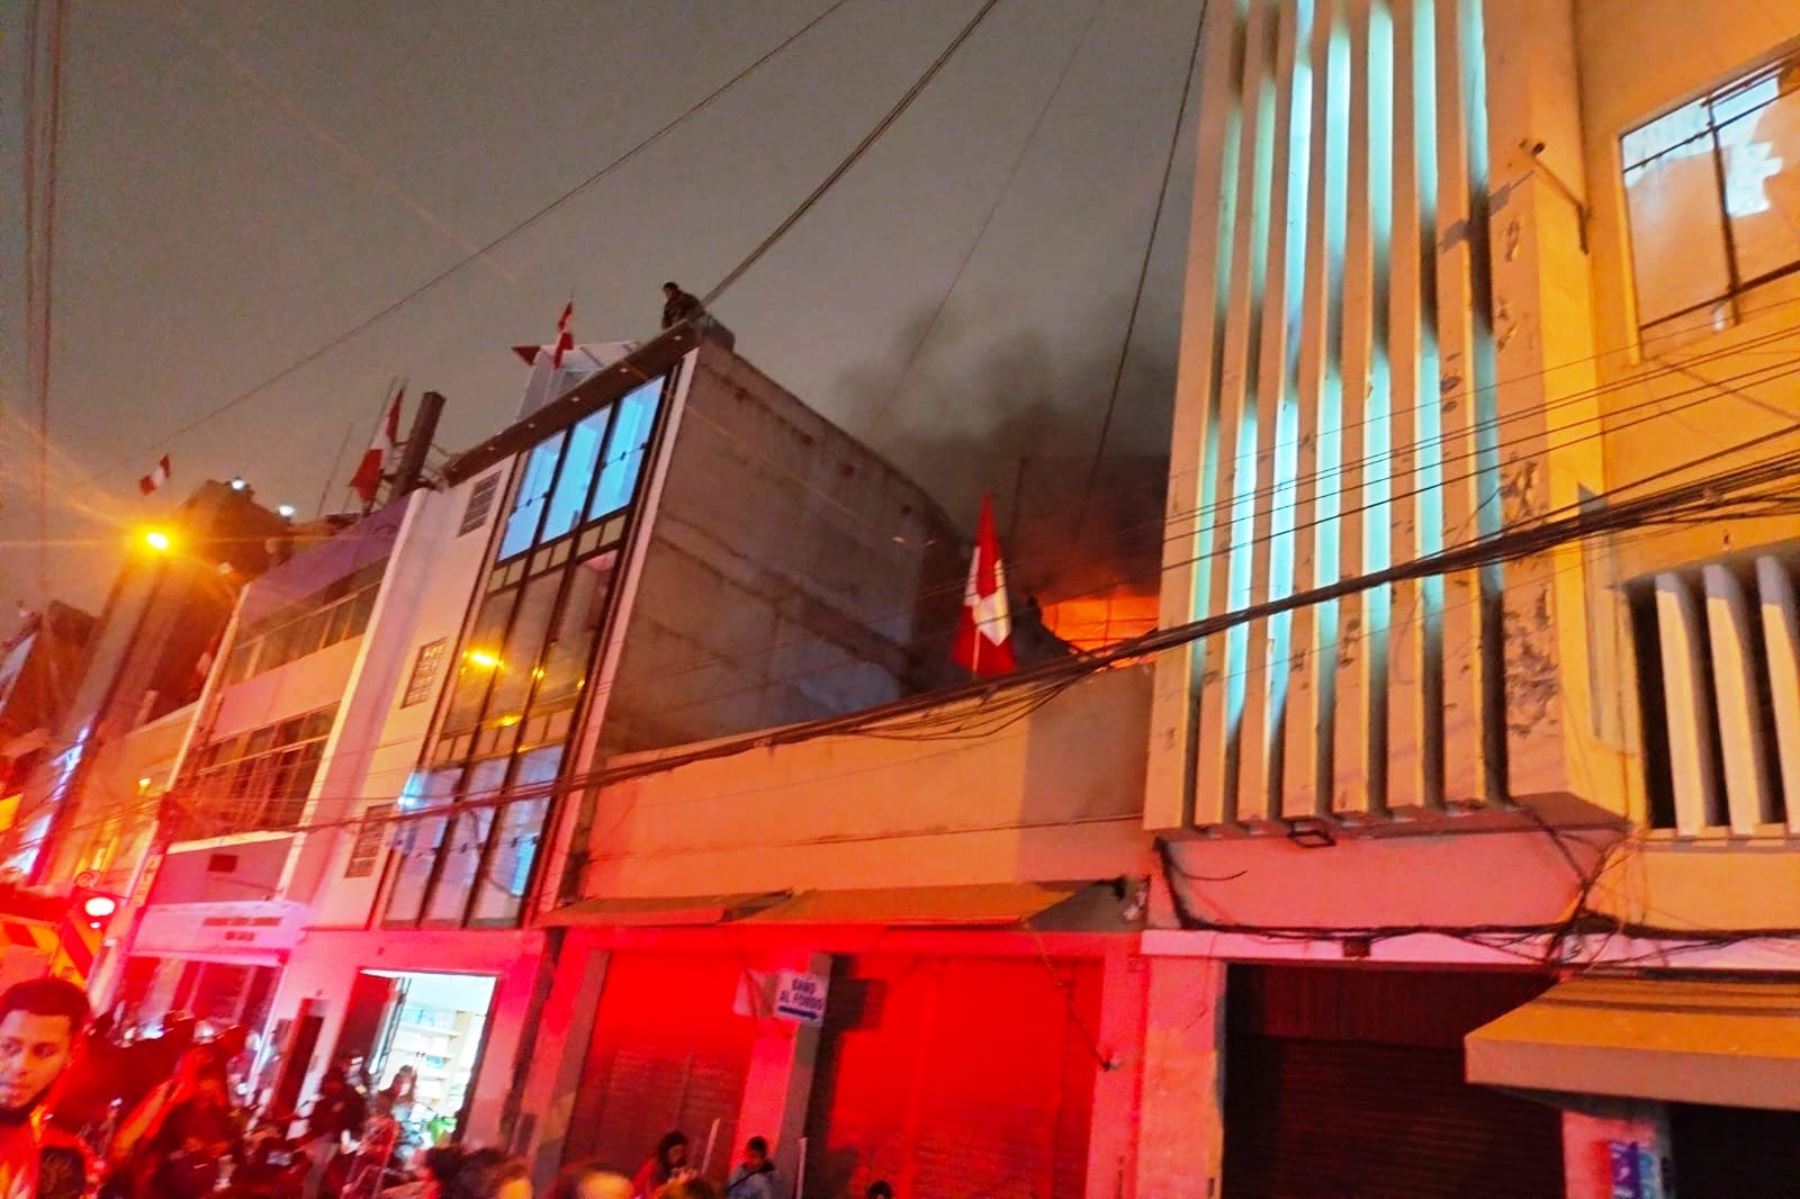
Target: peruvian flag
(984, 636)
(565, 340)
(367, 479)
(156, 478)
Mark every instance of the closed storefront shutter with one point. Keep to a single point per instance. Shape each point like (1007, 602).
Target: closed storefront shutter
(1350, 1083)
(965, 1077)
(1734, 1152)
(667, 1053)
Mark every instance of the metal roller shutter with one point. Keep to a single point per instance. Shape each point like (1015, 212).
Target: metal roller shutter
(1734, 1152)
(667, 1052)
(1350, 1083)
(959, 1077)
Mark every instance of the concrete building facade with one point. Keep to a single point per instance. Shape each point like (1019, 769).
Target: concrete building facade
(1464, 875)
(382, 784)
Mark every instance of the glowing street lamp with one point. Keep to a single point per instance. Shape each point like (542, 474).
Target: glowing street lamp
(157, 541)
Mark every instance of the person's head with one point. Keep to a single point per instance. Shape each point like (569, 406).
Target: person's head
(39, 1023)
(195, 1065)
(756, 1153)
(880, 1189)
(671, 289)
(481, 1174)
(335, 1082)
(178, 1028)
(593, 1181)
(671, 1151)
(233, 1040)
(210, 1089)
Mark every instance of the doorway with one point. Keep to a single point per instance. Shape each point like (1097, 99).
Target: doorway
(434, 1025)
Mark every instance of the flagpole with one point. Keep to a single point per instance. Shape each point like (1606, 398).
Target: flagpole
(336, 463)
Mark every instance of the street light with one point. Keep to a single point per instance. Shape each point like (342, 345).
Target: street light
(157, 541)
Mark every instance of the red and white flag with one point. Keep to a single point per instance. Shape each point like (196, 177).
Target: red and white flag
(367, 480)
(984, 643)
(156, 478)
(565, 340)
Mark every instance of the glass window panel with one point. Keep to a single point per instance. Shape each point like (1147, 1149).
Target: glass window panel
(500, 892)
(1762, 178)
(519, 828)
(512, 679)
(576, 476)
(462, 862)
(280, 786)
(416, 841)
(1683, 132)
(361, 608)
(339, 628)
(534, 492)
(312, 637)
(416, 847)
(571, 645)
(478, 663)
(1677, 233)
(625, 449)
(238, 668)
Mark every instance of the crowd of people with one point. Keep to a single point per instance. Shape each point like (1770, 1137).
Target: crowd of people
(84, 1116)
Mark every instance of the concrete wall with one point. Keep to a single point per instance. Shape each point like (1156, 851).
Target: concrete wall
(300, 686)
(1055, 796)
(1414, 389)
(784, 575)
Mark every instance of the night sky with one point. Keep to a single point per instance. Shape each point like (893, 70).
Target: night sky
(242, 180)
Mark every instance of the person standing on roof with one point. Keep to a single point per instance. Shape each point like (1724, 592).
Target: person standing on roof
(679, 306)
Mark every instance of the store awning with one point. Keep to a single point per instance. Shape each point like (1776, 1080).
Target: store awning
(982, 905)
(651, 911)
(1680, 1040)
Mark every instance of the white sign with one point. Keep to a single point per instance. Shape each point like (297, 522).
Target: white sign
(800, 997)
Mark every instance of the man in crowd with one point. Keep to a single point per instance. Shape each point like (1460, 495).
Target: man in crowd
(755, 1176)
(40, 1023)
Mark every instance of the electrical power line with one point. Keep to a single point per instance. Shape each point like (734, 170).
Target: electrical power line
(838, 172)
(512, 231)
(1137, 298)
(671, 670)
(1012, 174)
(1712, 494)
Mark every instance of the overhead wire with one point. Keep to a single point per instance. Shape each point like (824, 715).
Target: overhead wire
(1544, 533)
(851, 159)
(1143, 278)
(368, 322)
(1155, 570)
(1012, 174)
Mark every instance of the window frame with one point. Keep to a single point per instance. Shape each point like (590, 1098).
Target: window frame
(592, 536)
(1737, 287)
(264, 767)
